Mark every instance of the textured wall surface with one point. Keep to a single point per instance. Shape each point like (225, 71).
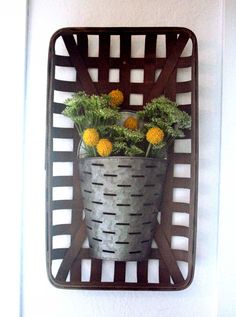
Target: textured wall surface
(45, 17)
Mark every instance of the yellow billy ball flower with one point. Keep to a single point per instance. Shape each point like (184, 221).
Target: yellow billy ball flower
(131, 123)
(117, 97)
(91, 137)
(104, 147)
(155, 135)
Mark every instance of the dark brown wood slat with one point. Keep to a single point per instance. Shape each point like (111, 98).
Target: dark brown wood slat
(187, 135)
(167, 255)
(170, 65)
(72, 253)
(186, 108)
(82, 44)
(149, 66)
(62, 181)
(149, 79)
(77, 221)
(115, 62)
(120, 286)
(140, 87)
(142, 272)
(119, 273)
(181, 182)
(166, 216)
(185, 62)
(104, 87)
(61, 229)
(66, 86)
(96, 270)
(180, 207)
(63, 204)
(194, 151)
(63, 61)
(57, 254)
(104, 58)
(125, 53)
(58, 156)
(63, 133)
(58, 107)
(77, 211)
(134, 87)
(155, 254)
(183, 87)
(84, 77)
(75, 272)
(85, 253)
(180, 255)
(180, 231)
(164, 274)
(182, 158)
(170, 89)
(133, 108)
(78, 54)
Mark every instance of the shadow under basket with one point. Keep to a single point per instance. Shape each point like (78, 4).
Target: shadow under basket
(121, 198)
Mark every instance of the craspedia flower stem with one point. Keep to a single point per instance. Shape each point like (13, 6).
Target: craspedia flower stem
(94, 151)
(148, 149)
(104, 147)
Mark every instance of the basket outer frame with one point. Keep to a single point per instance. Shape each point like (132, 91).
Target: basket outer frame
(72, 257)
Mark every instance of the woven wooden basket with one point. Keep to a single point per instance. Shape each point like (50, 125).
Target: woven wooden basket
(144, 63)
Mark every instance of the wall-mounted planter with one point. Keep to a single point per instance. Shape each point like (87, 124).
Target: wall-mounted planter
(121, 198)
(88, 58)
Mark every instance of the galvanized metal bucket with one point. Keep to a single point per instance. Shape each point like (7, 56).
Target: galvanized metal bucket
(121, 197)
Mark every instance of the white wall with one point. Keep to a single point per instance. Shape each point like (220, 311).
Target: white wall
(12, 77)
(227, 216)
(204, 17)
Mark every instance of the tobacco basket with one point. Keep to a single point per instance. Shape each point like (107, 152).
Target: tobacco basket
(166, 61)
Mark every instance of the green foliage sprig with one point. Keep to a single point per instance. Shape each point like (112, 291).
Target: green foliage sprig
(96, 112)
(165, 114)
(90, 111)
(127, 142)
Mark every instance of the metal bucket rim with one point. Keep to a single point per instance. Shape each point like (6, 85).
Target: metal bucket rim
(124, 158)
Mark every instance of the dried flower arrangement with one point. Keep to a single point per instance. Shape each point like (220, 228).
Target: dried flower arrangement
(134, 147)
(105, 132)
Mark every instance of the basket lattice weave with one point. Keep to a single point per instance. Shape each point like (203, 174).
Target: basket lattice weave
(144, 63)
(121, 199)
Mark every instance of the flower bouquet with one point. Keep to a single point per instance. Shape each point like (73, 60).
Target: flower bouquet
(122, 163)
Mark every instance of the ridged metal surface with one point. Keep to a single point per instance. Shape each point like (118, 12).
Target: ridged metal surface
(121, 198)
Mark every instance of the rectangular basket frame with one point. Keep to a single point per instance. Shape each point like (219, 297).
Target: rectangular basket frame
(170, 276)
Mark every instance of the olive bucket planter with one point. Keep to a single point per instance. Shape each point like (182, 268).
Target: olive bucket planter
(121, 198)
